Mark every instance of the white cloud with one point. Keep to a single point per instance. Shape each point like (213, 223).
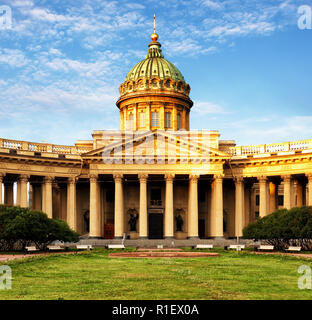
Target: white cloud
(46, 15)
(212, 4)
(56, 52)
(203, 108)
(13, 58)
(22, 3)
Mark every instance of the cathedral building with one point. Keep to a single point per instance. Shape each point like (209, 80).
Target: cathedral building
(155, 178)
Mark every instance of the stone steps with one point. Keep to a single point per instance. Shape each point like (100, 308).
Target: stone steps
(172, 243)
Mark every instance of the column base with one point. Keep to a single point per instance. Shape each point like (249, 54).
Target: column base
(143, 238)
(169, 238)
(95, 238)
(118, 238)
(193, 238)
(217, 238)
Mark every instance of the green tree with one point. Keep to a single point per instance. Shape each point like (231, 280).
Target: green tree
(20, 227)
(283, 228)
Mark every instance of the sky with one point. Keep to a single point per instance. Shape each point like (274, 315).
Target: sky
(247, 62)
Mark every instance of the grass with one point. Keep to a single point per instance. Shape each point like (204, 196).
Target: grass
(92, 275)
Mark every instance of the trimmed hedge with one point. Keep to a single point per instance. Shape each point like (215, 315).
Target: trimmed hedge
(20, 227)
(283, 228)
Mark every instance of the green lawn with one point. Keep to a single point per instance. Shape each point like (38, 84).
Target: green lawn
(92, 275)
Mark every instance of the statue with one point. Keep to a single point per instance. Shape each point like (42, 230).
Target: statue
(133, 220)
(179, 222)
(86, 217)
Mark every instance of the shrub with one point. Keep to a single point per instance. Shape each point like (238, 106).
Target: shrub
(21, 226)
(283, 228)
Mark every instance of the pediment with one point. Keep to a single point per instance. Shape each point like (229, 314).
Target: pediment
(157, 144)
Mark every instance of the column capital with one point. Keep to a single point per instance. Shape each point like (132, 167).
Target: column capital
(286, 178)
(72, 180)
(48, 179)
(309, 176)
(262, 179)
(93, 178)
(143, 177)
(218, 177)
(118, 177)
(23, 178)
(2, 175)
(193, 178)
(169, 177)
(239, 179)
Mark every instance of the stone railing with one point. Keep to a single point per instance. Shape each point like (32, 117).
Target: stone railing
(272, 148)
(42, 147)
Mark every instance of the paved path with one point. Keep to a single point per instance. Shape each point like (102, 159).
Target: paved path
(9, 257)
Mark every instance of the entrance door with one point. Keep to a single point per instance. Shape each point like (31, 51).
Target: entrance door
(201, 228)
(155, 226)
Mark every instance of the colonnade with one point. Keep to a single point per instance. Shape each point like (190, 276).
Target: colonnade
(43, 200)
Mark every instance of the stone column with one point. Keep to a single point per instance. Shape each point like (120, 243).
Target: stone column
(273, 190)
(299, 193)
(71, 203)
(263, 208)
(174, 118)
(309, 198)
(95, 226)
(216, 216)
(1, 187)
(287, 192)
(8, 194)
(184, 119)
(18, 192)
(148, 116)
(239, 206)
(23, 180)
(169, 222)
(119, 206)
(162, 117)
(47, 199)
(192, 214)
(143, 206)
(135, 121)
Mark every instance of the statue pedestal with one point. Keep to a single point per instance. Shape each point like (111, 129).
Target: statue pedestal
(134, 235)
(180, 235)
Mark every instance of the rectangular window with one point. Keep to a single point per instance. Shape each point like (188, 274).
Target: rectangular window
(167, 119)
(155, 119)
(142, 119)
(257, 200)
(280, 200)
(178, 121)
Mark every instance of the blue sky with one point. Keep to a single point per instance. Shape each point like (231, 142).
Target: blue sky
(248, 64)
